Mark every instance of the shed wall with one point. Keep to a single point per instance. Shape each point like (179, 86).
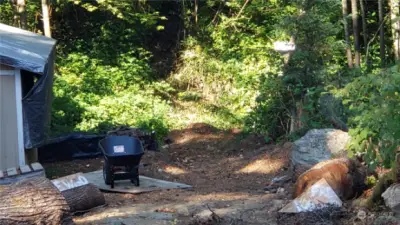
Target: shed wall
(9, 152)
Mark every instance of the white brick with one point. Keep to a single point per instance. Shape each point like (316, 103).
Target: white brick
(25, 169)
(36, 166)
(12, 172)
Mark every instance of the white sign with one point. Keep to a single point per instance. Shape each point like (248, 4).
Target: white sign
(69, 182)
(284, 46)
(119, 149)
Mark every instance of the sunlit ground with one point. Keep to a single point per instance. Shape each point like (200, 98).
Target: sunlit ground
(263, 166)
(174, 170)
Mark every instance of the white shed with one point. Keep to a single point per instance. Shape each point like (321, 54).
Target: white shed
(26, 79)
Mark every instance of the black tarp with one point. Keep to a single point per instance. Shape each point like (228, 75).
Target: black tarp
(72, 146)
(33, 53)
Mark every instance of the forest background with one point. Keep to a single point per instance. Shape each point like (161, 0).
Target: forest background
(164, 64)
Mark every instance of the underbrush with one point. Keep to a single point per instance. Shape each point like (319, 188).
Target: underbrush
(373, 103)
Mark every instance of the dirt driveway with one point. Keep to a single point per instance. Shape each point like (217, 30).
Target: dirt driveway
(228, 173)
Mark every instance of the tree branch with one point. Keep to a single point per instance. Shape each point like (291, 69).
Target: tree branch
(241, 10)
(373, 38)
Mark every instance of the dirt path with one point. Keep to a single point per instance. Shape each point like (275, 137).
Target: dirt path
(228, 174)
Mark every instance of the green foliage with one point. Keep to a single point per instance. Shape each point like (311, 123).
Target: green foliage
(373, 101)
(103, 75)
(226, 74)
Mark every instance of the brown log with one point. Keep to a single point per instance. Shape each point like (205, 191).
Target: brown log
(33, 201)
(345, 176)
(80, 195)
(84, 198)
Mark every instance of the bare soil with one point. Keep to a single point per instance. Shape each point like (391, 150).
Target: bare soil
(226, 169)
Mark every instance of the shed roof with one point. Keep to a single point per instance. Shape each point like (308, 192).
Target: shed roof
(24, 49)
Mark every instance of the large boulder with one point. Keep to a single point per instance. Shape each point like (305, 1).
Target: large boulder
(316, 146)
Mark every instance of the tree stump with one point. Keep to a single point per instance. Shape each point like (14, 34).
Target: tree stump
(383, 183)
(33, 201)
(83, 198)
(80, 195)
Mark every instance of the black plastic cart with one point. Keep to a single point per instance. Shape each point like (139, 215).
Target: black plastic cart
(122, 155)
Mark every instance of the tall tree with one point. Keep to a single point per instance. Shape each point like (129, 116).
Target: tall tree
(20, 13)
(356, 32)
(46, 18)
(364, 28)
(347, 34)
(364, 22)
(381, 34)
(196, 8)
(394, 13)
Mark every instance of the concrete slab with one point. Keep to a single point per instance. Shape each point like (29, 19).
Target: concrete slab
(12, 172)
(147, 184)
(25, 169)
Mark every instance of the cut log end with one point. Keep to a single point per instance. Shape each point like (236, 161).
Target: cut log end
(83, 198)
(33, 201)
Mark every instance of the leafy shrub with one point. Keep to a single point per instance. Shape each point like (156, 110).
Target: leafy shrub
(373, 103)
(103, 75)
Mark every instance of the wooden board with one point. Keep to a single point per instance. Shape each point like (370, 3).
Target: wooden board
(147, 184)
(70, 182)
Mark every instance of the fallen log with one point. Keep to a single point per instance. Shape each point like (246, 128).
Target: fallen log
(33, 201)
(80, 195)
(345, 176)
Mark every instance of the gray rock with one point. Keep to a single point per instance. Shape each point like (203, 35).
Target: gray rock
(319, 145)
(392, 197)
(386, 220)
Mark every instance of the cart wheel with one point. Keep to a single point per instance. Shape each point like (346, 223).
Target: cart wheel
(135, 181)
(107, 173)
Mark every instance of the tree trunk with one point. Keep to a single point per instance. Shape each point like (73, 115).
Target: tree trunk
(196, 7)
(383, 183)
(394, 13)
(80, 195)
(347, 34)
(364, 23)
(33, 201)
(356, 32)
(20, 14)
(381, 34)
(21, 6)
(83, 198)
(364, 27)
(46, 18)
